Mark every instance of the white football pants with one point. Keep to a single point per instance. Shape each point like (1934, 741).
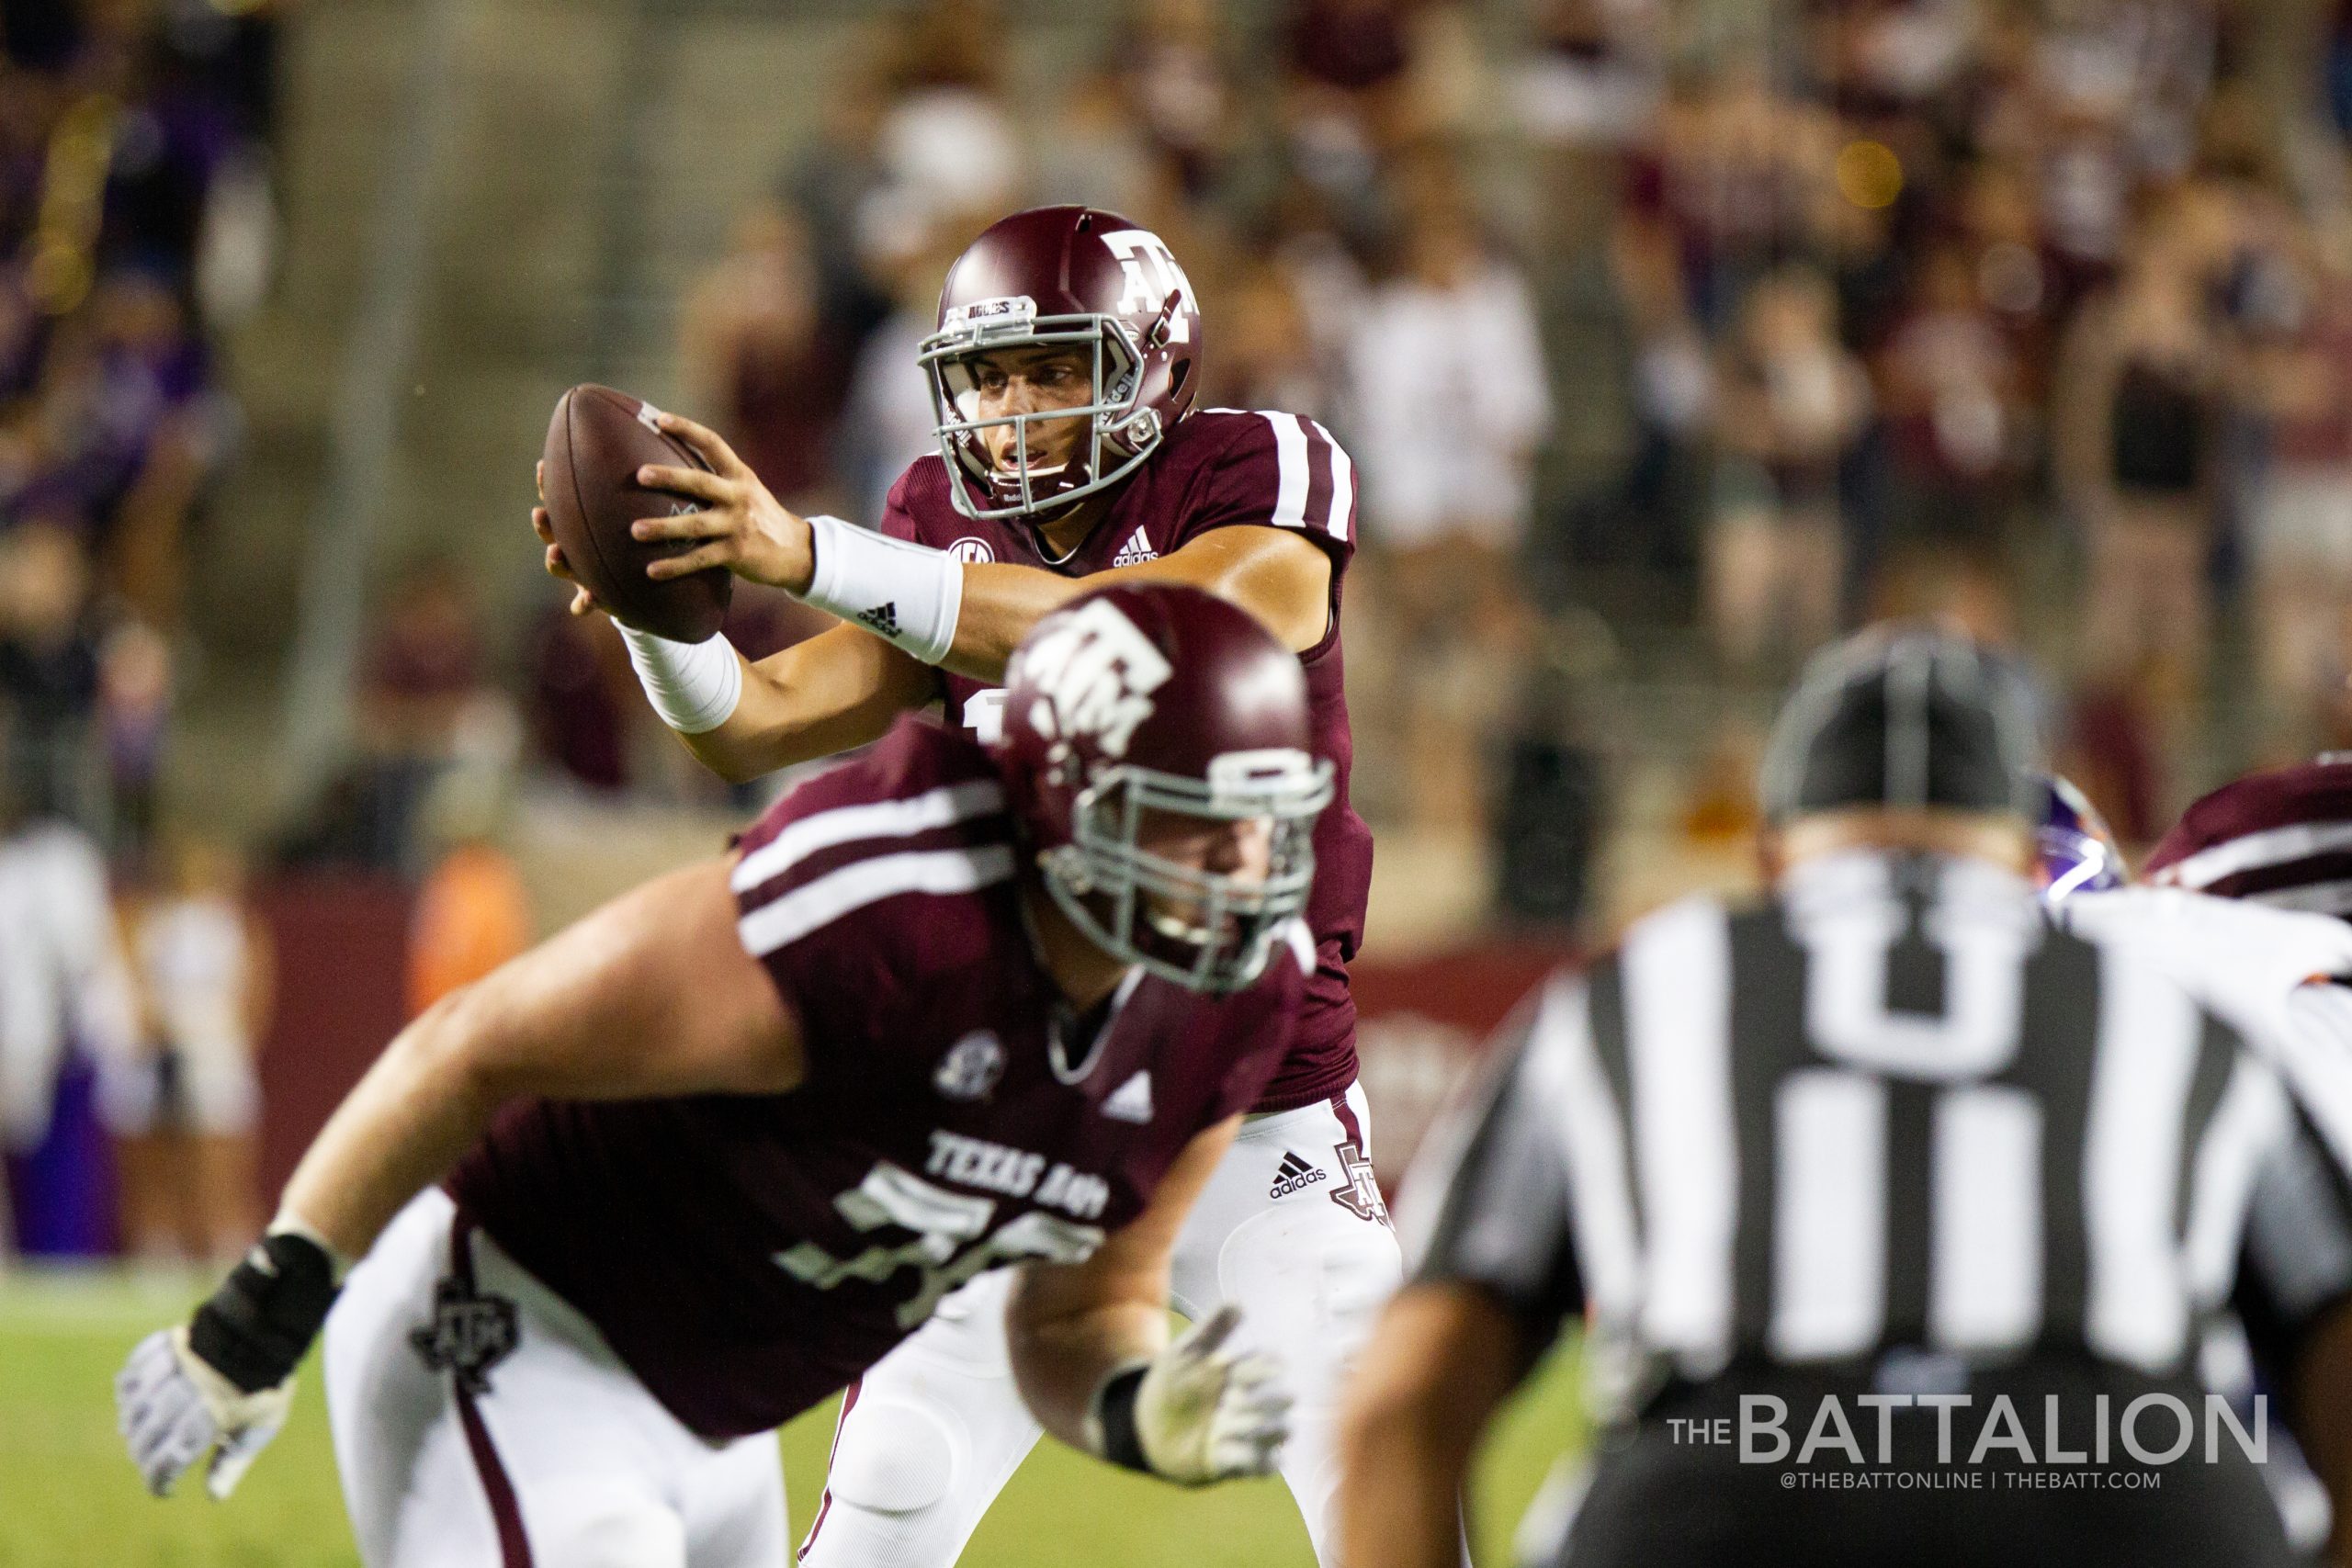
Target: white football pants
(1290, 1228)
(560, 1458)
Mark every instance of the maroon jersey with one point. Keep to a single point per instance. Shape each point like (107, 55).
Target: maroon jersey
(2280, 837)
(747, 1255)
(1219, 468)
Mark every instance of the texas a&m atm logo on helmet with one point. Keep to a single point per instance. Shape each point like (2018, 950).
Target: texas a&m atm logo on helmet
(1094, 673)
(1134, 704)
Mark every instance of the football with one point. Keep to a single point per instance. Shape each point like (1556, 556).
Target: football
(596, 442)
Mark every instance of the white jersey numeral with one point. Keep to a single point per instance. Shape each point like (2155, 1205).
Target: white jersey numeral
(984, 716)
(947, 1224)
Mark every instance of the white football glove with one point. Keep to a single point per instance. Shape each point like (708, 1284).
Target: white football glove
(1205, 1413)
(172, 1409)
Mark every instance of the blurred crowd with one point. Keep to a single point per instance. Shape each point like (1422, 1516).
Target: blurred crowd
(137, 229)
(2035, 315)
(1743, 323)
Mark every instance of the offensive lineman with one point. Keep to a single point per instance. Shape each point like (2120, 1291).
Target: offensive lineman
(1063, 374)
(946, 1009)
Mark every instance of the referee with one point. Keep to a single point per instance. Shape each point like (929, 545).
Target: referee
(1883, 1200)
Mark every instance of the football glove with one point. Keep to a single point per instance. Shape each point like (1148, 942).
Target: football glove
(1197, 1413)
(173, 1408)
(220, 1384)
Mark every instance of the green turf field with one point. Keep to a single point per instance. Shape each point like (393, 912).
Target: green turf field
(69, 1498)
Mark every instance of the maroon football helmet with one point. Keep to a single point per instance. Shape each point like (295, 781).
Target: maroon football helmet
(1062, 275)
(1134, 705)
(2282, 838)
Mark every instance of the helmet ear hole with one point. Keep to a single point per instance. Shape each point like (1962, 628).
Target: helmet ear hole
(1176, 379)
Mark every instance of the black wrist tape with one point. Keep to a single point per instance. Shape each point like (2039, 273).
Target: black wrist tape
(260, 1322)
(1115, 1407)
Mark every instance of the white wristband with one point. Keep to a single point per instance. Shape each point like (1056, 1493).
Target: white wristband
(692, 685)
(907, 593)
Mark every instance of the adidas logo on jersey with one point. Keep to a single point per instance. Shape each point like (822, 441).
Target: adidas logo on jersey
(882, 618)
(1135, 551)
(1131, 1101)
(1295, 1175)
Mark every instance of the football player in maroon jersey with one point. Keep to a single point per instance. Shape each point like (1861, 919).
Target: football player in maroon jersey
(651, 1189)
(1063, 373)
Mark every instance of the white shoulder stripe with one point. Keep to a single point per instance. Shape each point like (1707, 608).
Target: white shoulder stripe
(1344, 492)
(1290, 451)
(1290, 454)
(2251, 851)
(1302, 945)
(878, 819)
(2332, 898)
(864, 882)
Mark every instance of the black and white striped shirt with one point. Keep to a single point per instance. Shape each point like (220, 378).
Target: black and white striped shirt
(1893, 1107)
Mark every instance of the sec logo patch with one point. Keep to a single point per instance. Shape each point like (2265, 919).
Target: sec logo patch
(972, 550)
(971, 1067)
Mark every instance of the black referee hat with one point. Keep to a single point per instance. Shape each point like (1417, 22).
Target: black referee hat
(1904, 715)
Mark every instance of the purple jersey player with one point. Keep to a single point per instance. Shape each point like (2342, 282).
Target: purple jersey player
(1063, 374)
(709, 1154)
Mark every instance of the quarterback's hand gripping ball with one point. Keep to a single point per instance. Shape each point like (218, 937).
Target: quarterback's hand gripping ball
(598, 443)
(1205, 1413)
(173, 1409)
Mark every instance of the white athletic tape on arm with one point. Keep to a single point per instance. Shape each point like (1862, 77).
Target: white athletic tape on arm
(907, 593)
(692, 685)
